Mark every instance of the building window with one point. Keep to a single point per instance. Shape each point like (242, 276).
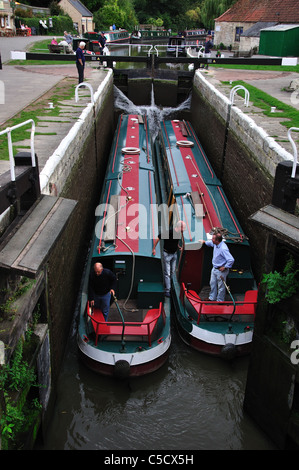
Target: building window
(239, 31)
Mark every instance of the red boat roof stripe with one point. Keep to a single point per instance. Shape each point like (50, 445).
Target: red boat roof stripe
(130, 178)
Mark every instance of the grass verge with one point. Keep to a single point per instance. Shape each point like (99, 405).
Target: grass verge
(262, 100)
(62, 91)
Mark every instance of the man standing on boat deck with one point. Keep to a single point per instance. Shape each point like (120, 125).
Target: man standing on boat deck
(222, 261)
(102, 283)
(171, 240)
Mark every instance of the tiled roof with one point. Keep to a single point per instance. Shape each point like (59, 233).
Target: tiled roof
(286, 11)
(80, 7)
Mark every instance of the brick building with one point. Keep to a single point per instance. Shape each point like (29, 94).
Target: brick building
(81, 16)
(240, 25)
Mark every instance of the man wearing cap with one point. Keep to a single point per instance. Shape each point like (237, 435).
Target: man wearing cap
(80, 61)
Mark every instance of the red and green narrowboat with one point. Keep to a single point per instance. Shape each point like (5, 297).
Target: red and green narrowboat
(136, 337)
(193, 193)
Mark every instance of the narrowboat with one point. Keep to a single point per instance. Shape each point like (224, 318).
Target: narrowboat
(149, 35)
(136, 337)
(195, 37)
(176, 46)
(193, 194)
(119, 36)
(195, 33)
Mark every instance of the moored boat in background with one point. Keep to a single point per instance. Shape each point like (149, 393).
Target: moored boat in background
(117, 37)
(148, 35)
(136, 338)
(176, 46)
(195, 195)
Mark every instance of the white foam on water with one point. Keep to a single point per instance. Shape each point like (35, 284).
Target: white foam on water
(155, 114)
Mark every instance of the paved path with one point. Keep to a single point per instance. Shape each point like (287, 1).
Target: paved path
(23, 85)
(271, 82)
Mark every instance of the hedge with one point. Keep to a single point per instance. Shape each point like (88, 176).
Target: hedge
(60, 24)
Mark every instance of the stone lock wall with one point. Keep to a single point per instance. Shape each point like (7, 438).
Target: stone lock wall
(78, 175)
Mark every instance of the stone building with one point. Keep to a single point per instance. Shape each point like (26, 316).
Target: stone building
(240, 25)
(6, 18)
(81, 16)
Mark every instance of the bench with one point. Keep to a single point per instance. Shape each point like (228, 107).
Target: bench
(145, 328)
(244, 307)
(56, 49)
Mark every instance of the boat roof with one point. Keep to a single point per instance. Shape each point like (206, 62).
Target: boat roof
(201, 201)
(127, 216)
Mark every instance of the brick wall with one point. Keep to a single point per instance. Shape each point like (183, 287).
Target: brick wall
(65, 266)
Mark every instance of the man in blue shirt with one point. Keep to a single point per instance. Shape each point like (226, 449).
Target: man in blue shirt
(222, 261)
(80, 61)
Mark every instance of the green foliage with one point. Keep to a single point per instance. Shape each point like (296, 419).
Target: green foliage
(212, 9)
(12, 422)
(55, 9)
(264, 101)
(155, 21)
(61, 23)
(9, 296)
(15, 421)
(176, 15)
(118, 12)
(281, 285)
(17, 376)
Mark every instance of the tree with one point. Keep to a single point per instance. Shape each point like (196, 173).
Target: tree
(211, 9)
(193, 17)
(93, 5)
(55, 9)
(118, 12)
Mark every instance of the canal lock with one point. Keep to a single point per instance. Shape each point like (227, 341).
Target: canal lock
(55, 288)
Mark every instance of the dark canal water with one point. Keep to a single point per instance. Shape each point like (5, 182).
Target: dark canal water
(194, 402)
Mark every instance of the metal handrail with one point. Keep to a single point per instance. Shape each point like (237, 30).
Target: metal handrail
(8, 131)
(294, 150)
(235, 89)
(85, 85)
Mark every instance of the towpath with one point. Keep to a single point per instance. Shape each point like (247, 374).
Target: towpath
(24, 87)
(274, 84)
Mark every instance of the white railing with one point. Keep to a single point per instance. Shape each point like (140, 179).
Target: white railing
(296, 129)
(8, 131)
(85, 85)
(237, 88)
